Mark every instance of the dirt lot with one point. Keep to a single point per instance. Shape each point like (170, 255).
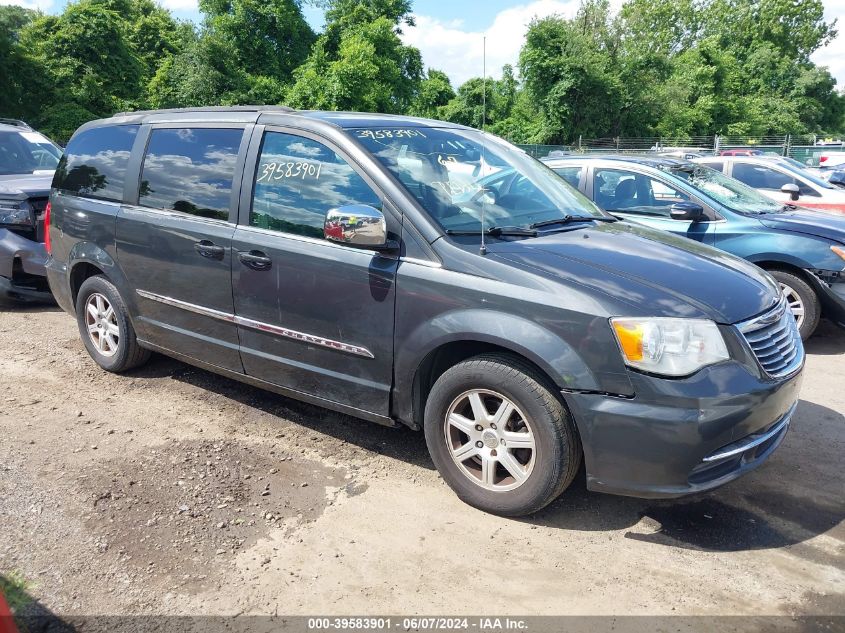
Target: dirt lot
(172, 490)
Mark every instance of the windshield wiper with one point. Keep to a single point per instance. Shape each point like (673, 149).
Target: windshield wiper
(497, 231)
(573, 218)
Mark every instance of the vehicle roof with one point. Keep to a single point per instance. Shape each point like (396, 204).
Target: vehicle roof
(640, 159)
(13, 125)
(268, 113)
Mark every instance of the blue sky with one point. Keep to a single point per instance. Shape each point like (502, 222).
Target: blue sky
(449, 32)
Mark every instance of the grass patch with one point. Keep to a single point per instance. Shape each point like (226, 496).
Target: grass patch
(16, 590)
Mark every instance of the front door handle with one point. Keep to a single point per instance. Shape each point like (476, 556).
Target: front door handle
(209, 249)
(257, 260)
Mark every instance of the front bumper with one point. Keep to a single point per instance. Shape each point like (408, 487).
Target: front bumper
(832, 296)
(679, 437)
(22, 275)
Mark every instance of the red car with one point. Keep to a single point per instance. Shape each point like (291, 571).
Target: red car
(741, 152)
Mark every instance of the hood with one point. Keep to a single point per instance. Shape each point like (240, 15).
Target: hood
(26, 185)
(826, 224)
(653, 272)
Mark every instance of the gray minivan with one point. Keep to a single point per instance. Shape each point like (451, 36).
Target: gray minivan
(357, 262)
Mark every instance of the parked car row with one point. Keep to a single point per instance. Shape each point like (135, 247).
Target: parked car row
(804, 250)
(421, 273)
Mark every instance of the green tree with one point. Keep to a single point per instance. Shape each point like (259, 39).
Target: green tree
(15, 66)
(434, 93)
(570, 71)
(269, 38)
(360, 63)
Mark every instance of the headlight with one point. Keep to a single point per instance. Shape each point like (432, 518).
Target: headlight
(15, 212)
(669, 347)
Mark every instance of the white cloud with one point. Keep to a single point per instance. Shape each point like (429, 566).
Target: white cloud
(43, 5)
(446, 46)
(833, 55)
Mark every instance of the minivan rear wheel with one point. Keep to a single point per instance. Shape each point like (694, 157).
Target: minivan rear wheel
(105, 328)
(499, 436)
(802, 299)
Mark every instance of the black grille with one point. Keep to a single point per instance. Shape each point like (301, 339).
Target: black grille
(775, 341)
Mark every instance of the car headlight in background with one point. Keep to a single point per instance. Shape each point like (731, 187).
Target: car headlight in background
(667, 346)
(16, 212)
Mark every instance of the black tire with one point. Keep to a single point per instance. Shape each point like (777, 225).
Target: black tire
(557, 448)
(128, 354)
(808, 297)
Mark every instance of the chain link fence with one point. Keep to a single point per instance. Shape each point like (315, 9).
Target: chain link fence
(804, 149)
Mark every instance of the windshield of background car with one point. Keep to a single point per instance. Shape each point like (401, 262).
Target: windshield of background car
(801, 171)
(26, 153)
(458, 174)
(729, 192)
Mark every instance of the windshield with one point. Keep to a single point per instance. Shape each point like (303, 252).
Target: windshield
(729, 192)
(460, 175)
(801, 171)
(26, 153)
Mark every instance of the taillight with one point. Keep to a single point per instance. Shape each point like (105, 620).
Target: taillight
(823, 159)
(47, 229)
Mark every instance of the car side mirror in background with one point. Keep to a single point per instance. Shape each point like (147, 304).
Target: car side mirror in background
(837, 178)
(686, 211)
(791, 189)
(357, 225)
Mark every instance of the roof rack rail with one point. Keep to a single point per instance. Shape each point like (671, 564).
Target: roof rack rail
(16, 123)
(239, 108)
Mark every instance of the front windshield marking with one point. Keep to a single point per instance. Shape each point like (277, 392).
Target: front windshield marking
(456, 174)
(727, 191)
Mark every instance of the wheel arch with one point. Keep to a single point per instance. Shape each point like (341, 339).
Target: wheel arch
(449, 339)
(787, 267)
(86, 260)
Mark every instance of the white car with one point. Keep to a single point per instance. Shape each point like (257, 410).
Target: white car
(832, 159)
(781, 179)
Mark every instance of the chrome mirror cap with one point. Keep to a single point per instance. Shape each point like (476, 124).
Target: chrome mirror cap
(356, 225)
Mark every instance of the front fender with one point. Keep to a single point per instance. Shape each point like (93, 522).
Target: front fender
(793, 249)
(564, 363)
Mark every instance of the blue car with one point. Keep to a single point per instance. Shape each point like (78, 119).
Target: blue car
(803, 250)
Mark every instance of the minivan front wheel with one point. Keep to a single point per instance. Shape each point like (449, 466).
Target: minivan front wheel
(499, 436)
(105, 328)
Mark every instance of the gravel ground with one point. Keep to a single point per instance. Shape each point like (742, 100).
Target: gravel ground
(174, 491)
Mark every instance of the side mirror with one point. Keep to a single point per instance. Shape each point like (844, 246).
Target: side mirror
(686, 211)
(791, 189)
(356, 225)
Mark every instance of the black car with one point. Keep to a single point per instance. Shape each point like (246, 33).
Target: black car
(28, 160)
(356, 262)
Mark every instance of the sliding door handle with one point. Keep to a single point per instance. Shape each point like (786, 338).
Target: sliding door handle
(257, 260)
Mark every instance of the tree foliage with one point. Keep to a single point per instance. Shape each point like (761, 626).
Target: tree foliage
(659, 67)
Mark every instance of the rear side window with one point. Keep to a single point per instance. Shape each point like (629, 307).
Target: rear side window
(94, 163)
(190, 170)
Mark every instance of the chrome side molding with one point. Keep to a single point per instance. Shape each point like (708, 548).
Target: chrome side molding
(261, 326)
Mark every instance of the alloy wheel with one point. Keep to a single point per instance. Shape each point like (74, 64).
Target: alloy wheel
(101, 321)
(490, 440)
(796, 305)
